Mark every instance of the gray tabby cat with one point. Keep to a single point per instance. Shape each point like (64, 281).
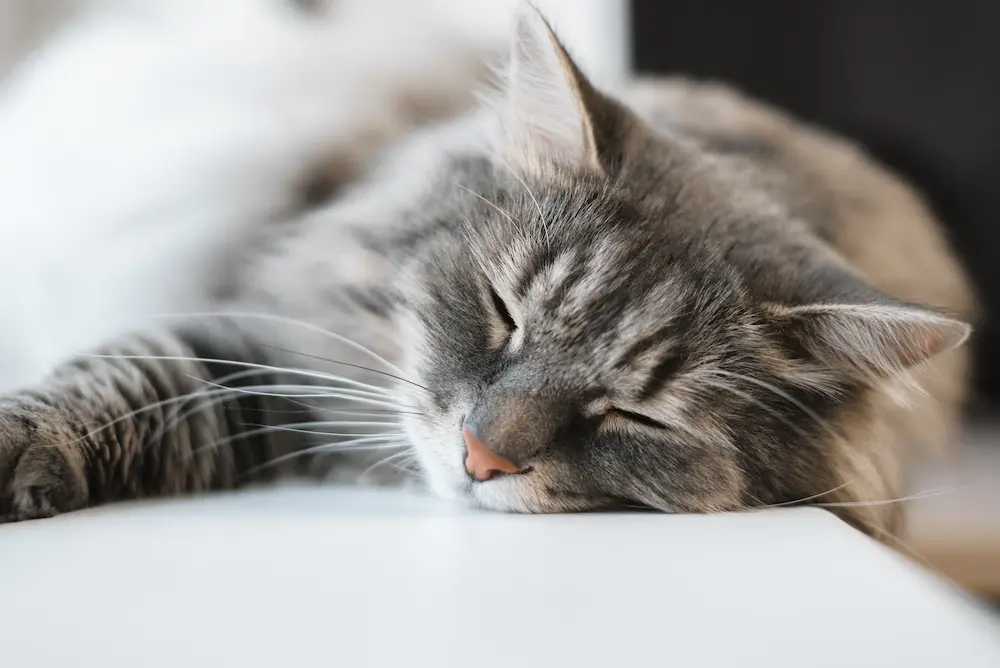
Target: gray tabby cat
(675, 297)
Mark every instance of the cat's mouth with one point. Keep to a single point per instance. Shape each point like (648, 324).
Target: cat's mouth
(503, 474)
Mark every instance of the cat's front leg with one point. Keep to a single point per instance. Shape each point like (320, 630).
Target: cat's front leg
(144, 418)
(42, 471)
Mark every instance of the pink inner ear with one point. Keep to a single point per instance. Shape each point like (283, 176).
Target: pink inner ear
(923, 344)
(880, 339)
(934, 339)
(547, 116)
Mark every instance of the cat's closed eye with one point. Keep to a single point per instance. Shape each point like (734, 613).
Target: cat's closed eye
(502, 310)
(637, 418)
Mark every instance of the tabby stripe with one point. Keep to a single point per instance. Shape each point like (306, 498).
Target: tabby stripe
(665, 369)
(542, 262)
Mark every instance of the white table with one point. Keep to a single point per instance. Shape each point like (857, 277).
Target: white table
(328, 577)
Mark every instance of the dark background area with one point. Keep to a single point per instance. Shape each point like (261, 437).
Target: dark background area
(915, 81)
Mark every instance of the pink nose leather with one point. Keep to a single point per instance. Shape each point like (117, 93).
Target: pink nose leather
(480, 461)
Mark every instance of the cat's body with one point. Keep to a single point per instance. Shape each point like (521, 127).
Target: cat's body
(680, 299)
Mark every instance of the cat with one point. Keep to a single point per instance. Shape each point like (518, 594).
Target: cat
(668, 296)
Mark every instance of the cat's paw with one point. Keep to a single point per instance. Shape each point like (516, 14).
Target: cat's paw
(42, 472)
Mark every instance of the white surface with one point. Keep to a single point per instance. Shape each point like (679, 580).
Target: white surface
(297, 577)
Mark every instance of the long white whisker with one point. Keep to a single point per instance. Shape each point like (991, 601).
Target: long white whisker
(885, 502)
(301, 391)
(206, 393)
(804, 498)
(209, 360)
(779, 392)
(131, 414)
(396, 410)
(538, 207)
(206, 398)
(268, 428)
(757, 402)
(382, 461)
(493, 205)
(377, 443)
(330, 360)
(368, 390)
(340, 423)
(373, 413)
(297, 323)
(223, 393)
(344, 396)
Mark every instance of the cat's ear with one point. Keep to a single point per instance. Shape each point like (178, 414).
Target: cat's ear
(549, 110)
(877, 339)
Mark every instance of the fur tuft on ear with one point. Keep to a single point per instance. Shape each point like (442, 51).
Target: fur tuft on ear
(878, 339)
(549, 109)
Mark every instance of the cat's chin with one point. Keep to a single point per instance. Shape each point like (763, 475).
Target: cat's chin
(503, 494)
(442, 460)
(512, 494)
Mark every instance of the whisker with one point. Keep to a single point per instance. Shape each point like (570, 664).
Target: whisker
(757, 402)
(235, 391)
(224, 393)
(334, 411)
(206, 398)
(884, 502)
(538, 207)
(220, 394)
(205, 392)
(359, 444)
(802, 500)
(349, 364)
(339, 423)
(493, 205)
(352, 437)
(319, 395)
(236, 363)
(306, 408)
(239, 375)
(781, 393)
(293, 390)
(295, 429)
(295, 322)
(382, 462)
(128, 416)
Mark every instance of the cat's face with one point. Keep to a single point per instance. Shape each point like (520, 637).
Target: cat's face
(594, 337)
(560, 331)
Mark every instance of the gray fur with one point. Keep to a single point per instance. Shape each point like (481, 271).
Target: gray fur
(696, 326)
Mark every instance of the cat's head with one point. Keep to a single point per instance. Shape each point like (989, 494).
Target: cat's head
(591, 334)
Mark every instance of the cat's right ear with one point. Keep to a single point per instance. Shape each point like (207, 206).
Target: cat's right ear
(550, 112)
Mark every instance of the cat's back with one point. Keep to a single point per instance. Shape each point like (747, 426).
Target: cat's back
(879, 223)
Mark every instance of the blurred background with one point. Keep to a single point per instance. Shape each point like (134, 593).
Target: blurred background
(916, 81)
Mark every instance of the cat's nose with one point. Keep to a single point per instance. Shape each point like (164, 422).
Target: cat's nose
(481, 462)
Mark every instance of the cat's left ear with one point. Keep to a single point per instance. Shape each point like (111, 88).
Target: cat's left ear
(878, 339)
(550, 111)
